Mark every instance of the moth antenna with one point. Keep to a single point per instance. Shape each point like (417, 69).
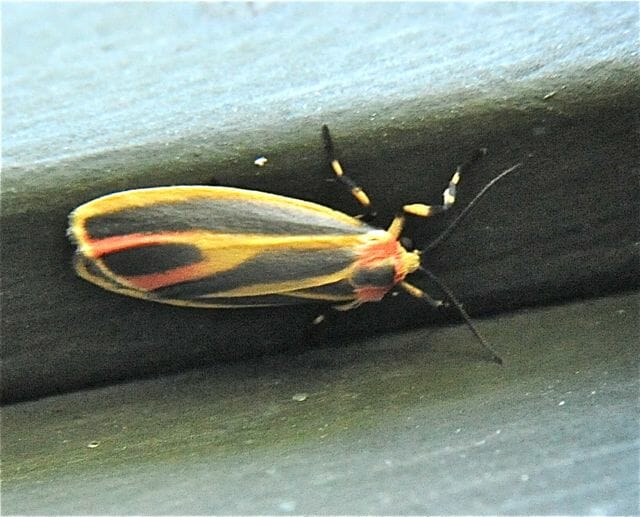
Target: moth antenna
(447, 231)
(445, 289)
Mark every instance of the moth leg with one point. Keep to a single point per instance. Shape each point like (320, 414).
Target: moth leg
(419, 293)
(352, 186)
(449, 194)
(320, 318)
(316, 330)
(348, 306)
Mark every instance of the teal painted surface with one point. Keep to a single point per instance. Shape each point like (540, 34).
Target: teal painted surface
(416, 423)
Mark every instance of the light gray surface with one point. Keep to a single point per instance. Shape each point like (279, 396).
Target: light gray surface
(79, 78)
(410, 424)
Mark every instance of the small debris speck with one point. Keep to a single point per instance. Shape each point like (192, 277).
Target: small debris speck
(300, 397)
(261, 161)
(93, 445)
(287, 506)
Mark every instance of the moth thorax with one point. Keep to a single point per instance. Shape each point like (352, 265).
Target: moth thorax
(382, 264)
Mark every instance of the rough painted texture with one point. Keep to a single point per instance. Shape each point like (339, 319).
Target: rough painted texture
(98, 98)
(407, 424)
(83, 78)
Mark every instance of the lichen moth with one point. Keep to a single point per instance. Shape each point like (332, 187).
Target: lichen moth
(222, 247)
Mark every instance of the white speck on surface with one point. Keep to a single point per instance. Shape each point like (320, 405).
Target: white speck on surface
(287, 506)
